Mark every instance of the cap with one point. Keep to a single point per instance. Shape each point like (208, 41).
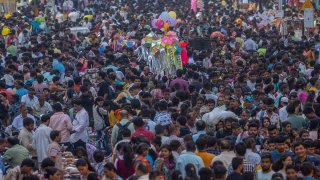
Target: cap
(284, 99)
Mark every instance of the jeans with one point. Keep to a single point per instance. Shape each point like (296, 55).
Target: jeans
(102, 142)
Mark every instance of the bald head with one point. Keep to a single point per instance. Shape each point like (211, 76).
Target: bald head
(124, 114)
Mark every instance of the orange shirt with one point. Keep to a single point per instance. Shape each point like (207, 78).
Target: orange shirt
(206, 158)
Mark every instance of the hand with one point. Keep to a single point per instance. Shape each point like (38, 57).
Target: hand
(161, 160)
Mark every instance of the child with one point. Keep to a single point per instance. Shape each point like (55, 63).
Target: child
(98, 157)
(54, 149)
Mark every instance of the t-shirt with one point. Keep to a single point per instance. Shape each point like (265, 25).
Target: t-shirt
(264, 176)
(235, 176)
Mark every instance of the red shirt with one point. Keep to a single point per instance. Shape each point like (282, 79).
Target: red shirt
(142, 131)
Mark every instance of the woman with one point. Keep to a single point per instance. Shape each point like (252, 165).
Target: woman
(124, 163)
(110, 172)
(165, 163)
(99, 116)
(142, 152)
(265, 123)
(191, 172)
(84, 168)
(53, 174)
(281, 164)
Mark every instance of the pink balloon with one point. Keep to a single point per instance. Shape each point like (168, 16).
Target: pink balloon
(159, 23)
(153, 23)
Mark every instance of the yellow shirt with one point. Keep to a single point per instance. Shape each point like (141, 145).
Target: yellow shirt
(206, 158)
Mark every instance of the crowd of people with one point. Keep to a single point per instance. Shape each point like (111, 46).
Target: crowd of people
(247, 107)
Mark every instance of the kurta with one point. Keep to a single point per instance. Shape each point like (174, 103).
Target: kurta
(41, 141)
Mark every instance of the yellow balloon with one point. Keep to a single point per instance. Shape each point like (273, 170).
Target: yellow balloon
(172, 14)
(89, 17)
(5, 31)
(223, 3)
(166, 26)
(178, 21)
(7, 16)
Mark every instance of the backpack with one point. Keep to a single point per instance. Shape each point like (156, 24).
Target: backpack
(121, 128)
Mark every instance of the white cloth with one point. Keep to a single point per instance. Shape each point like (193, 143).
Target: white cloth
(18, 121)
(41, 141)
(283, 114)
(28, 101)
(80, 125)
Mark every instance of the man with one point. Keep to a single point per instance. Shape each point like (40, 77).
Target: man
(280, 149)
(237, 165)
(42, 107)
(274, 117)
(201, 130)
(201, 144)
(150, 125)
(250, 45)
(240, 150)
(236, 130)
(30, 99)
(307, 170)
(16, 153)
(61, 122)
(226, 154)
(273, 131)
(23, 171)
(266, 172)
(126, 138)
(189, 157)
(183, 84)
(41, 138)
(162, 117)
(18, 121)
(79, 136)
(141, 171)
(26, 136)
(140, 129)
(124, 123)
(103, 88)
(251, 154)
(301, 156)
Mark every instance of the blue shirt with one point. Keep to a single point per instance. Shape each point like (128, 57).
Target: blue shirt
(186, 158)
(275, 155)
(2, 167)
(58, 66)
(312, 159)
(21, 92)
(197, 135)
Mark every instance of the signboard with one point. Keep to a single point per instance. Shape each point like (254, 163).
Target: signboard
(278, 13)
(308, 18)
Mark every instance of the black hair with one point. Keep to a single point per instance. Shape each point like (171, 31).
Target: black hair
(219, 171)
(278, 165)
(142, 167)
(27, 121)
(54, 134)
(126, 133)
(159, 129)
(190, 146)
(128, 154)
(50, 172)
(110, 166)
(272, 127)
(240, 149)
(175, 144)
(182, 120)
(306, 168)
(98, 156)
(84, 162)
(57, 107)
(266, 155)
(236, 162)
(205, 173)
(225, 144)
(13, 140)
(78, 102)
(93, 176)
(47, 162)
(28, 163)
(191, 171)
(201, 143)
(200, 125)
(248, 175)
(45, 118)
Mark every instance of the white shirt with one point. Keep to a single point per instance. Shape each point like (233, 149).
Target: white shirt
(28, 101)
(80, 125)
(41, 141)
(18, 121)
(283, 114)
(8, 79)
(74, 16)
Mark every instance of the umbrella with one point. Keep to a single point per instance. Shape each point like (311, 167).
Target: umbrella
(216, 34)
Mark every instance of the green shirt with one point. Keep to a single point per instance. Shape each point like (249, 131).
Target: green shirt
(15, 155)
(12, 50)
(297, 122)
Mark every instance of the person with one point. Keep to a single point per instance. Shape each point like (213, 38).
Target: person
(226, 154)
(16, 153)
(162, 116)
(20, 172)
(110, 172)
(165, 164)
(84, 168)
(206, 174)
(54, 149)
(294, 109)
(79, 136)
(99, 117)
(150, 124)
(301, 156)
(124, 162)
(291, 173)
(220, 172)
(189, 157)
(30, 100)
(281, 164)
(41, 108)
(26, 136)
(265, 172)
(201, 126)
(98, 157)
(237, 166)
(280, 149)
(46, 164)
(18, 121)
(182, 84)
(126, 137)
(120, 126)
(53, 174)
(61, 122)
(307, 170)
(201, 145)
(251, 154)
(240, 150)
(41, 138)
(142, 171)
(139, 126)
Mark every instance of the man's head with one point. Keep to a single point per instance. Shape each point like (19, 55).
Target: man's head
(281, 142)
(77, 105)
(57, 107)
(240, 149)
(138, 122)
(307, 169)
(266, 161)
(124, 114)
(273, 131)
(27, 166)
(236, 128)
(201, 143)
(55, 136)
(269, 103)
(45, 119)
(225, 145)
(237, 164)
(200, 125)
(300, 149)
(28, 123)
(24, 110)
(253, 129)
(291, 172)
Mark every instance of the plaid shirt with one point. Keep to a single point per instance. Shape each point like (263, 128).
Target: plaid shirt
(247, 167)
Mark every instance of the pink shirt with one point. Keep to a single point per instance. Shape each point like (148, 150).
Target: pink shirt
(61, 122)
(54, 151)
